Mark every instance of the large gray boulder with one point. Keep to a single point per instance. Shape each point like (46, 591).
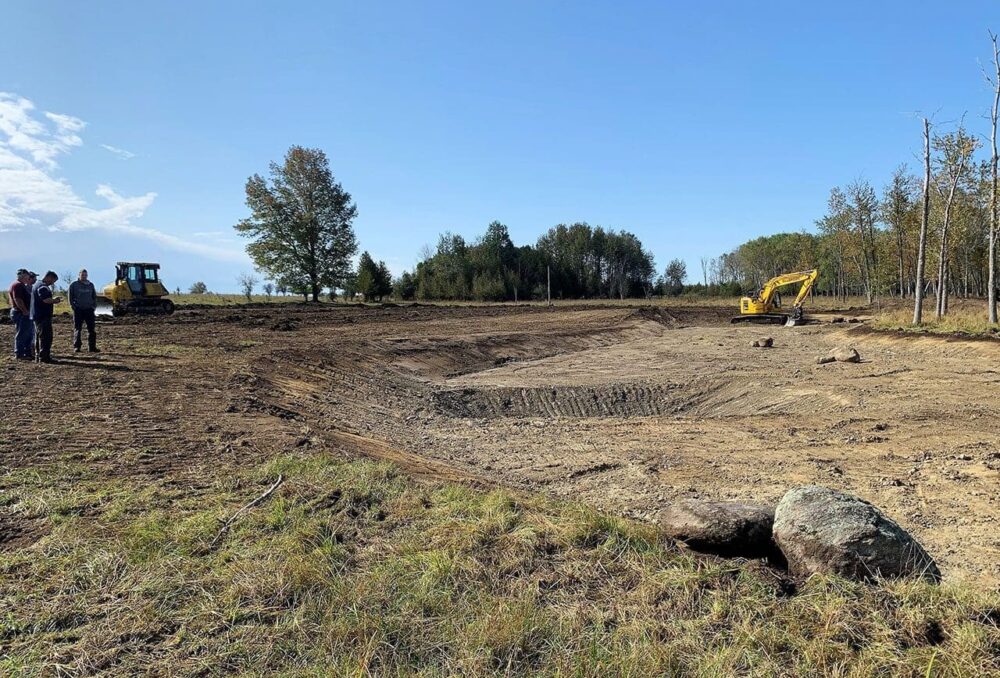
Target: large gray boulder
(724, 528)
(820, 530)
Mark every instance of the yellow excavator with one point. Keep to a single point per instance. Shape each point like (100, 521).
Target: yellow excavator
(765, 306)
(137, 289)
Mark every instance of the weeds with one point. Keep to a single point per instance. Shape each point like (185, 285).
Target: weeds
(350, 568)
(964, 318)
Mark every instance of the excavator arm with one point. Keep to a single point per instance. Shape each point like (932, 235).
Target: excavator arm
(767, 292)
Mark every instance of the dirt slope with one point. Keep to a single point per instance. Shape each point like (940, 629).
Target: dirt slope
(625, 408)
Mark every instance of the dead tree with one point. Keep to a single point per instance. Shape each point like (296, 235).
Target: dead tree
(992, 280)
(918, 297)
(956, 152)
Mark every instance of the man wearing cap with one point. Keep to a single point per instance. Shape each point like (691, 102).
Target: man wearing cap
(83, 301)
(20, 315)
(42, 302)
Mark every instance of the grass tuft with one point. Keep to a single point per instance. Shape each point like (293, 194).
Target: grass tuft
(351, 568)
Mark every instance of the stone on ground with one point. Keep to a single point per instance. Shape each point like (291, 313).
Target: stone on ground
(724, 528)
(763, 342)
(824, 359)
(846, 354)
(824, 531)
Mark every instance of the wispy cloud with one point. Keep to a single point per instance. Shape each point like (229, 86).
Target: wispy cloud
(120, 152)
(33, 196)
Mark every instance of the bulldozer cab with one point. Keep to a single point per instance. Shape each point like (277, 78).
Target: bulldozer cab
(136, 276)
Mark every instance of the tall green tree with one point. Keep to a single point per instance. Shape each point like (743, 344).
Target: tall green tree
(300, 224)
(899, 212)
(673, 277)
(373, 279)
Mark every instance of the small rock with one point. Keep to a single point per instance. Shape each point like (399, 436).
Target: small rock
(846, 354)
(824, 531)
(765, 342)
(824, 359)
(838, 319)
(724, 528)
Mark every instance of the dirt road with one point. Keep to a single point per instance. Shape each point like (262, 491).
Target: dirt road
(625, 408)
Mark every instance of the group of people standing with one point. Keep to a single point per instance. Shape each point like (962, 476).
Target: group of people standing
(32, 304)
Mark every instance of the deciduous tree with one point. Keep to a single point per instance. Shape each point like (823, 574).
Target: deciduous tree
(247, 281)
(301, 222)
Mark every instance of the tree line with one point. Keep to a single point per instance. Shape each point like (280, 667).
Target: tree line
(573, 261)
(301, 236)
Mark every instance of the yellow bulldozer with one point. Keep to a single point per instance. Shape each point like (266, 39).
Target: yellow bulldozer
(137, 289)
(765, 307)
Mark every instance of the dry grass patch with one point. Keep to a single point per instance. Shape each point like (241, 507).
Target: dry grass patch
(351, 568)
(965, 320)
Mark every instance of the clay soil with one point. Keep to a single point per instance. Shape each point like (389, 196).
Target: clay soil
(626, 408)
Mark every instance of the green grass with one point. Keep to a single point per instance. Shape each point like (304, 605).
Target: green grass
(213, 299)
(352, 569)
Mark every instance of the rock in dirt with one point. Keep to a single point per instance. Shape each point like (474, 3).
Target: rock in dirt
(820, 530)
(846, 354)
(763, 342)
(824, 359)
(724, 528)
(285, 325)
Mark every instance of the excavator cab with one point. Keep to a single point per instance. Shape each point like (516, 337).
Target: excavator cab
(764, 306)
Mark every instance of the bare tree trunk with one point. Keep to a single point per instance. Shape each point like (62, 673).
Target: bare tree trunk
(918, 303)
(899, 250)
(943, 264)
(992, 283)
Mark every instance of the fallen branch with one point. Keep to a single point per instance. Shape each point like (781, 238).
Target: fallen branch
(245, 508)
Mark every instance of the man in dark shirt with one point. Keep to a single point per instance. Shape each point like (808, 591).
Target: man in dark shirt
(83, 301)
(20, 315)
(42, 302)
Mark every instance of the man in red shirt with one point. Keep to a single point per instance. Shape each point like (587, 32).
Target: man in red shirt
(20, 314)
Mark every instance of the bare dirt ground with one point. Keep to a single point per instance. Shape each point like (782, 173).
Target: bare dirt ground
(624, 407)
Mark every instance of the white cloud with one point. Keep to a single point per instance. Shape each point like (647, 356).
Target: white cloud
(33, 196)
(120, 152)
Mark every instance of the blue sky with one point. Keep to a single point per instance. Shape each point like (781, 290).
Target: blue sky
(128, 129)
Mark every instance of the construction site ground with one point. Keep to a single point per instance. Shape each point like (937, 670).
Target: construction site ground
(626, 408)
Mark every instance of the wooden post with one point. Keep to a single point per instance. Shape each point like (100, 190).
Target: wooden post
(548, 283)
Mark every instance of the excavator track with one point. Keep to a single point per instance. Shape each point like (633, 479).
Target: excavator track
(761, 319)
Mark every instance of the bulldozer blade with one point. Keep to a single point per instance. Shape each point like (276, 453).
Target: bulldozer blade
(104, 307)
